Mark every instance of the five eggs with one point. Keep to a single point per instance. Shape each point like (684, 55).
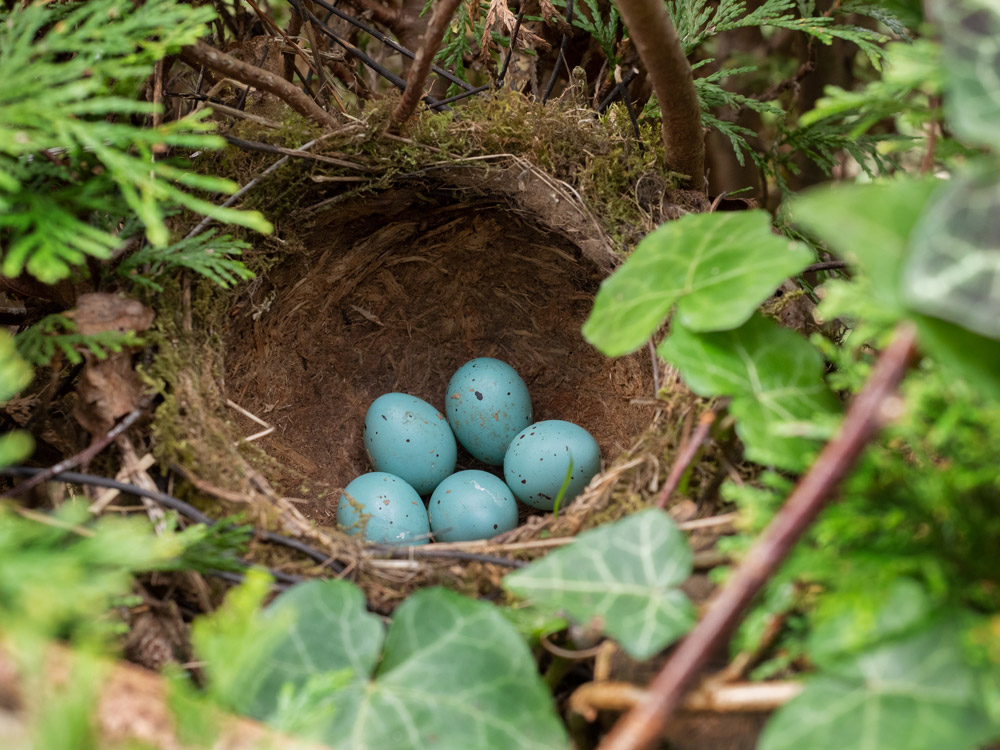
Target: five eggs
(413, 449)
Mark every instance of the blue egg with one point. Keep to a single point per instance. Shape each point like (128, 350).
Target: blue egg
(539, 457)
(408, 437)
(487, 405)
(471, 505)
(385, 509)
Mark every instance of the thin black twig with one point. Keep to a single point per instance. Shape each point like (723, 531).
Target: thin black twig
(448, 76)
(465, 94)
(561, 57)
(620, 90)
(82, 457)
(513, 43)
(826, 265)
(168, 501)
(246, 92)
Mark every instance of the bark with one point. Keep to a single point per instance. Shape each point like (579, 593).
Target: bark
(201, 53)
(655, 38)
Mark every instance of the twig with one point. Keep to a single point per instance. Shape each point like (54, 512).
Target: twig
(685, 457)
(201, 53)
(267, 148)
(612, 695)
(826, 265)
(384, 551)
(513, 42)
(249, 186)
(641, 726)
(224, 109)
(391, 43)
(421, 66)
(388, 17)
(561, 57)
(174, 504)
(620, 89)
(82, 457)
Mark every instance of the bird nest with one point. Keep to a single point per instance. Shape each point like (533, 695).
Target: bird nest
(392, 290)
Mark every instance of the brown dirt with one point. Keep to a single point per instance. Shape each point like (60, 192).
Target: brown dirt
(394, 293)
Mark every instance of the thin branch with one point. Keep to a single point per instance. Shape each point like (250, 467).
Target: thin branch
(561, 57)
(267, 148)
(83, 457)
(659, 48)
(826, 265)
(429, 46)
(231, 200)
(173, 503)
(405, 553)
(201, 53)
(685, 457)
(391, 43)
(747, 697)
(513, 43)
(644, 723)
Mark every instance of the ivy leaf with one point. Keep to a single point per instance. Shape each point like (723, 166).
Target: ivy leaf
(883, 216)
(953, 270)
(971, 33)
(969, 355)
(623, 575)
(917, 693)
(775, 379)
(453, 674)
(717, 268)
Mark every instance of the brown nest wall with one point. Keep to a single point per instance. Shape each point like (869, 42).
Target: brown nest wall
(394, 293)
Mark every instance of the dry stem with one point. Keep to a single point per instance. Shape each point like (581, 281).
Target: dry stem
(641, 726)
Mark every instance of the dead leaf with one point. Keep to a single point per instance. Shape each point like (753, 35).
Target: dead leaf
(108, 389)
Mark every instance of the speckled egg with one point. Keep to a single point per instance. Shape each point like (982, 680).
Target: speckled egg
(408, 437)
(471, 505)
(538, 460)
(385, 509)
(487, 405)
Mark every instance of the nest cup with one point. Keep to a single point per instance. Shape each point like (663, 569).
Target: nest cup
(395, 293)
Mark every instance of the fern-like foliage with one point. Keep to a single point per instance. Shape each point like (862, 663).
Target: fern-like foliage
(69, 152)
(212, 257)
(57, 334)
(699, 20)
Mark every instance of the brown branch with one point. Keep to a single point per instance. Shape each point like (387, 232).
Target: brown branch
(422, 61)
(388, 17)
(201, 53)
(659, 48)
(612, 695)
(641, 726)
(83, 456)
(685, 457)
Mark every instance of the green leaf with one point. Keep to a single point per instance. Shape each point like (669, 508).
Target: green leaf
(775, 379)
(953, 269)
(971, 48)
(15, 373)
(453, 673)
(917, 693)
(717, 268)
(972, 357)
(15, 447)
(882, 218)
(624, 576)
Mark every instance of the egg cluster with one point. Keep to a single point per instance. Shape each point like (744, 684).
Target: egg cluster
(414, 449)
